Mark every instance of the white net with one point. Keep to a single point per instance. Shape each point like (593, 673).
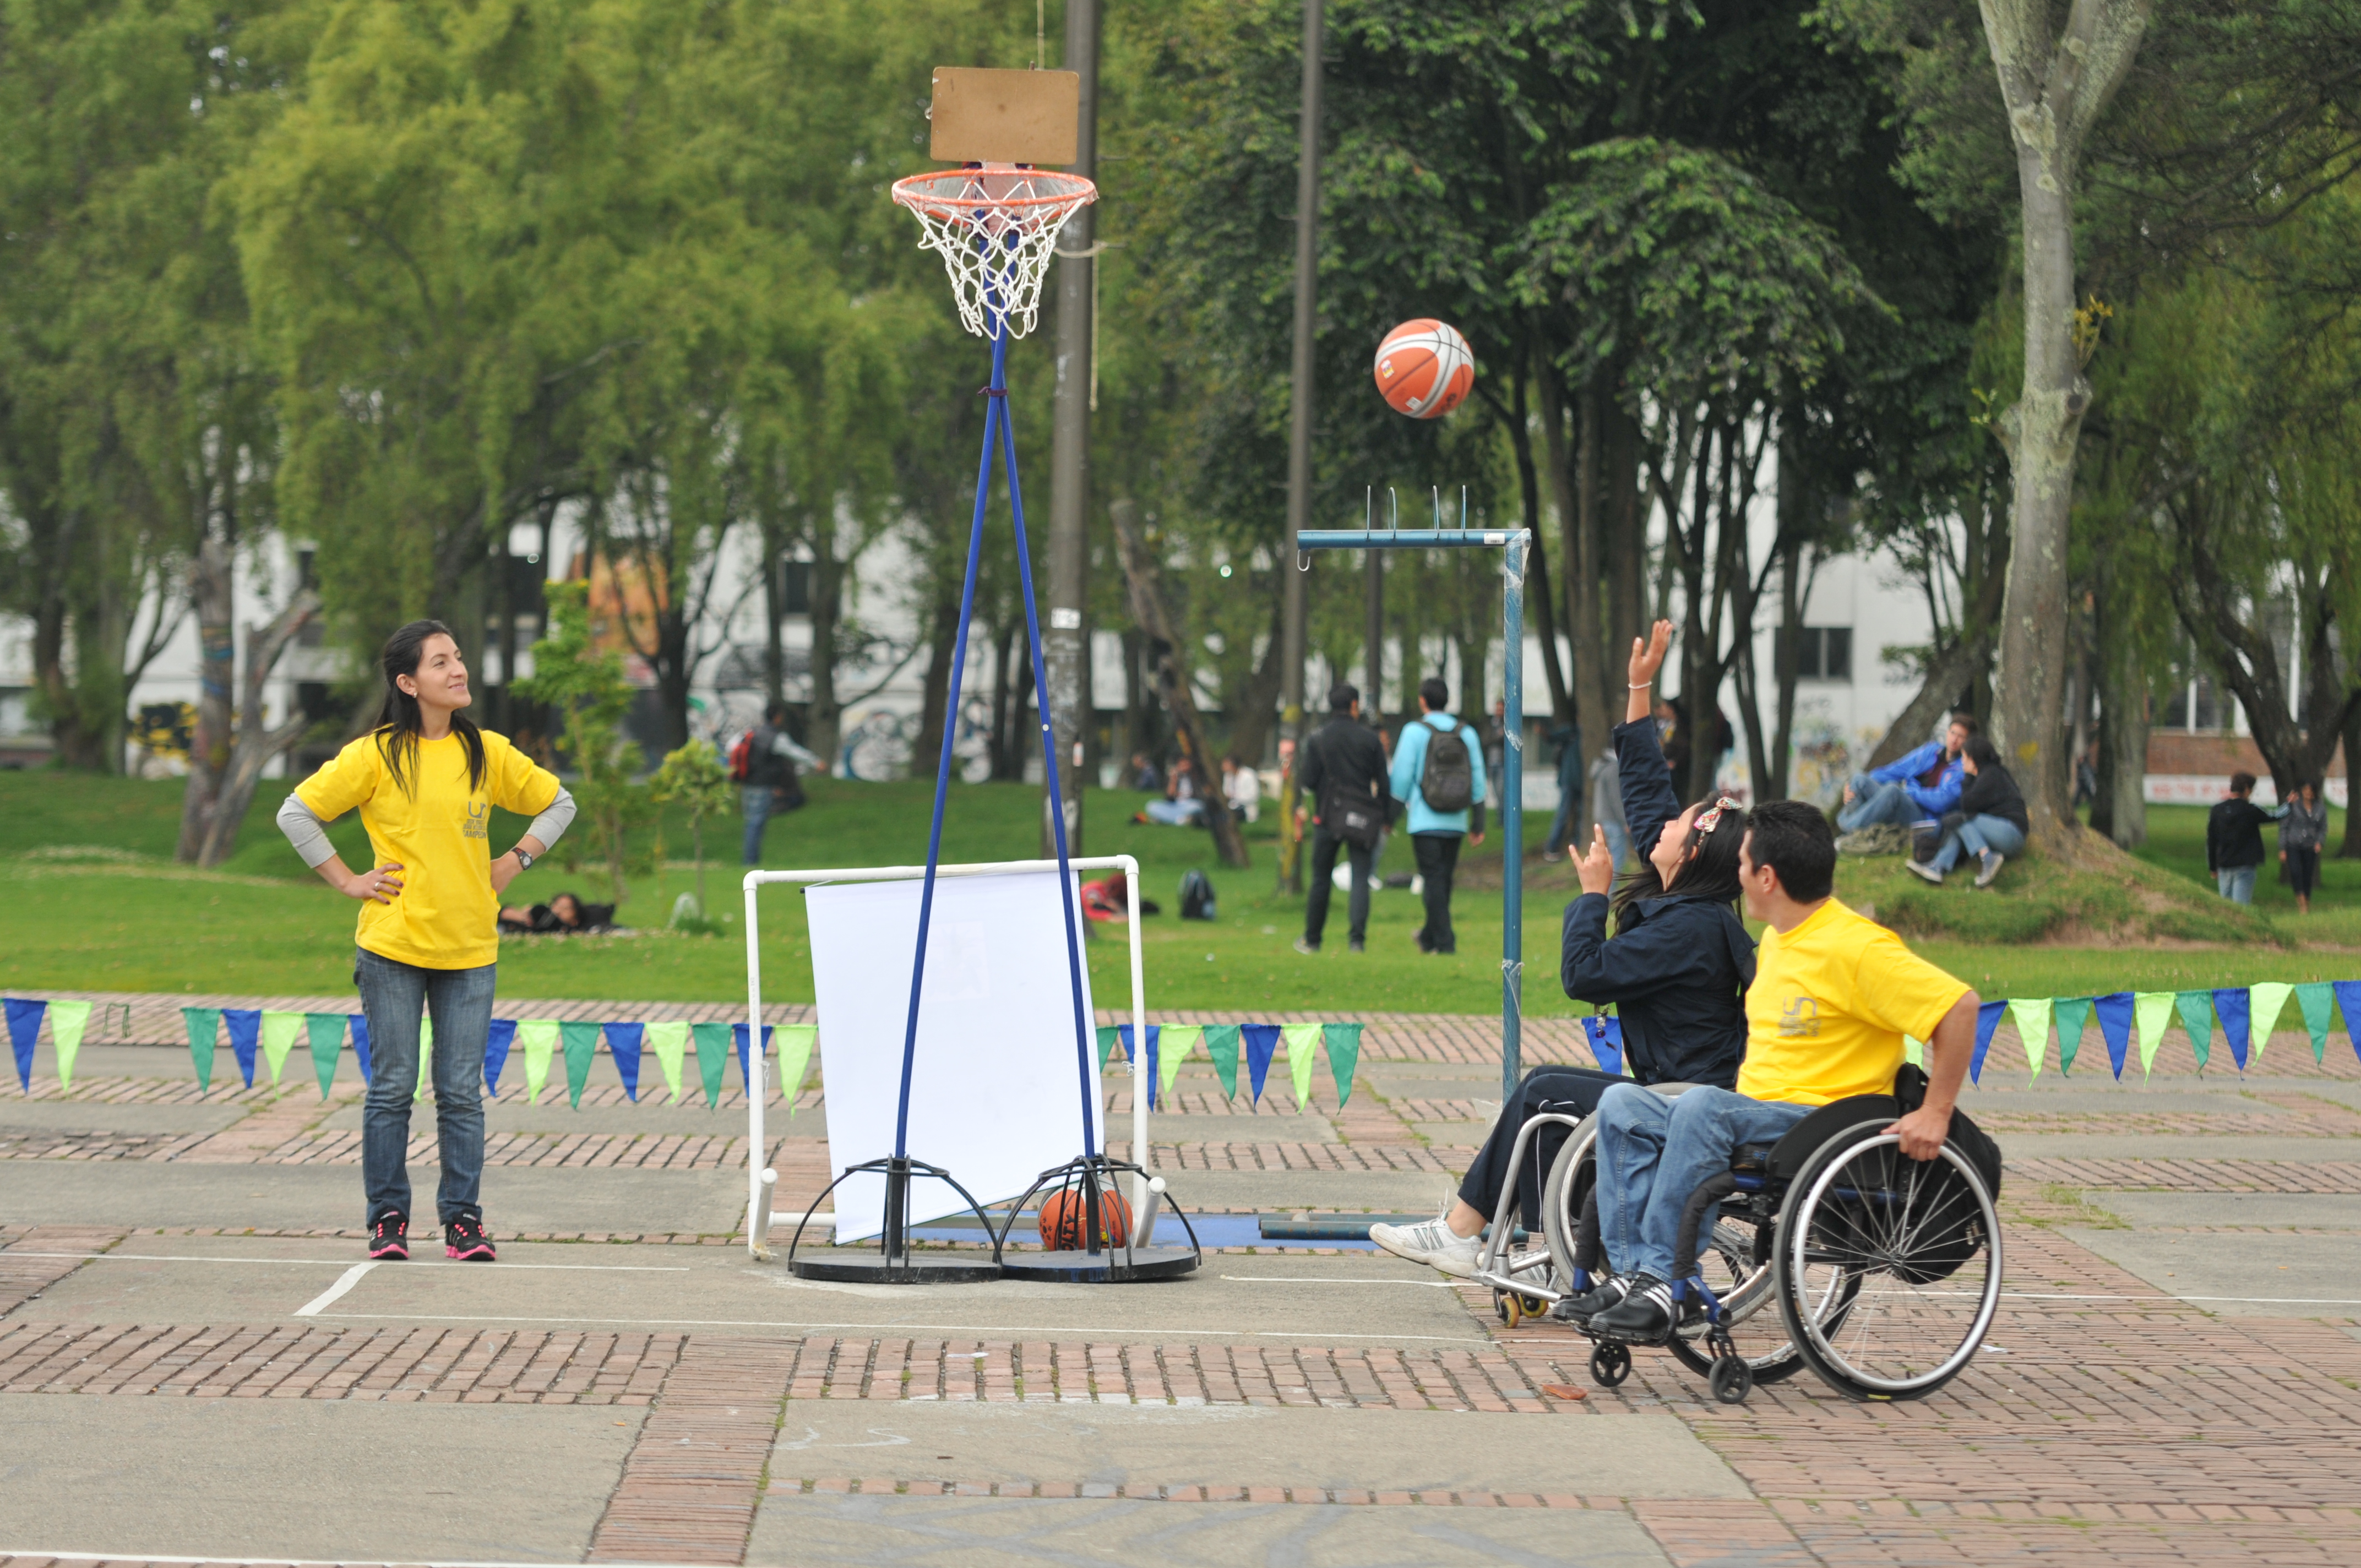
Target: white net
(995, 228)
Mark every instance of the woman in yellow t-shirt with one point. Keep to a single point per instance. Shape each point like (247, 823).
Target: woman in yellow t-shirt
(426, 781)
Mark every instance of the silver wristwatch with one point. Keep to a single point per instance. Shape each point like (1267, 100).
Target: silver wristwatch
(524, 857)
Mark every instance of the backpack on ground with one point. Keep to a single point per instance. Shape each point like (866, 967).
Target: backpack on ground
(1197, 898)
(1448, 778)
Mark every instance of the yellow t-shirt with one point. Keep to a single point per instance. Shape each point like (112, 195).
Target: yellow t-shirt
(438, 831)
(1829, 1005)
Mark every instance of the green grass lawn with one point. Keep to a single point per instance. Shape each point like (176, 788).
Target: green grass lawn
(89, 900)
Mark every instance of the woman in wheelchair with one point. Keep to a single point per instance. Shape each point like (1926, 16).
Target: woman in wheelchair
(1880, 1238)
(1677, 970)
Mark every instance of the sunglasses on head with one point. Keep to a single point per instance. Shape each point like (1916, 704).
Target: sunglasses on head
(1707, 822)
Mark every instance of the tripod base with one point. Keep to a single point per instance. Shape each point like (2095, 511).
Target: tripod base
(1090, 1180)
(893, 1263)
(1116, 1266)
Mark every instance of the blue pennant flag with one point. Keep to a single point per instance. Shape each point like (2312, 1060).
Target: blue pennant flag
(2348, 1002)
(1139, 1070)
(495, 1052)
(1262, 1043)
(2231, 1007)
(2115, 1011)
(245, 1035)
(359, 1021)
(1988, 1018)
(24, 1029)
(624, 1045)
(737, 1038)
(1606, 1040)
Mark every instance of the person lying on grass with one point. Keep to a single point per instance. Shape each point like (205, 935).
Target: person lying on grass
(564, 915)
(1676, 968)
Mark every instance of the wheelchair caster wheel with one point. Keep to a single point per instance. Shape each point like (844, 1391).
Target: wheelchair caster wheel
(1501, 1306)
(1534, 1307)
(1609, 1365)
(1732, 1379)
(1513, 1310)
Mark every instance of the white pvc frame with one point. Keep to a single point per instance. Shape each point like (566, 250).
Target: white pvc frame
(760, 1181)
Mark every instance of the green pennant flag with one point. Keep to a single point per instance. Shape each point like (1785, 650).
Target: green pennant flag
(1221, 1046)
(203, 1024)
(669, 1044)
(1173, 1044)
(279, 1032)
(2152, 1014)
(712, 1055)
(2032, 1017)
(2318, 1000)
(1302, 1039)
(1108, 1036)
(425, 1050)
(67, 1022)
(1344, 1057)
(537, 1038)
(795, 1047)
(581, 1046)
(2196, 1009)
(2073, 1016)
(327, 1033)
(2267, 1002)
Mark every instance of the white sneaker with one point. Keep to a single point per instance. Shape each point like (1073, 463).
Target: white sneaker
(1432, 1243)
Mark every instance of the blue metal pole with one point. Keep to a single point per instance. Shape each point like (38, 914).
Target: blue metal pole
(1512, 824)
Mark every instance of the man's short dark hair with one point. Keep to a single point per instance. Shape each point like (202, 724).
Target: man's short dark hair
(1342, 696)
(1966, 722)
(2241, 783)
(1793, 837)
(775, 713)
(1434, 694)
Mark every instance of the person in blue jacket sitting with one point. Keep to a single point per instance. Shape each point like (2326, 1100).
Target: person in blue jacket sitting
(1925, 784)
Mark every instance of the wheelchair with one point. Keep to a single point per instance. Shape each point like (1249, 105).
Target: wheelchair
(1831, 1250)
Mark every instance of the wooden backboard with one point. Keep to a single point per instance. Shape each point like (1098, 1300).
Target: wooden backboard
(1004, 117)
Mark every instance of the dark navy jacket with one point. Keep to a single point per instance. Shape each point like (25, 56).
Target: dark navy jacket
(1678, 969)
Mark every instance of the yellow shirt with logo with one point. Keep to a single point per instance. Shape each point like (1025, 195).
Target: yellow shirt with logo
(438, 832)
(1829, 1005)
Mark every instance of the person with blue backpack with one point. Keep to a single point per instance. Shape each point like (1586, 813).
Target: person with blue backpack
(1438, 772)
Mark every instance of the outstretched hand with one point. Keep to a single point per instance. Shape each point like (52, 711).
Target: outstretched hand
(1596, 867)
(1649, 657)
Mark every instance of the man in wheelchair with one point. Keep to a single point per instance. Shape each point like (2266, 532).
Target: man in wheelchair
(1833, 994)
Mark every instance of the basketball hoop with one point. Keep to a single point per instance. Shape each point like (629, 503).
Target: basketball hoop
(995, 228)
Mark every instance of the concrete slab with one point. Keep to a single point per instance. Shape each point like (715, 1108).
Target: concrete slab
(955, 1531)
(1288, 1127)
(290, 1196)
(2097, 1102)
(1363, 1191)
(2149, 1211)
(1640, 1456)
(1366, 1299)
(1454, 1135)
(87, 1116)
(2242, 1274)
(329, 1479)
(2174, 1145)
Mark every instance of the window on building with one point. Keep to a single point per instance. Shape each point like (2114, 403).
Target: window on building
(795, 586)
(1824, 653)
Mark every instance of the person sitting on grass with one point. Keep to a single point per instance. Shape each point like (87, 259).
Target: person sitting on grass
(563, 915)
(1676, 968)
(1990, 822)
(1833, 994)
(1918, 787)
(1181, 806)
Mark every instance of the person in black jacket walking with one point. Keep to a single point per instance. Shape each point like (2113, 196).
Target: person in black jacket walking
(1676, 970)
(2234, 839)
(1989, 822)
(1343, 764)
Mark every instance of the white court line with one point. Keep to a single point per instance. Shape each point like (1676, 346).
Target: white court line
(2259, 1300)
(342, 1262)
(344, 1281)
(273, 1561)
(1317, 1280)
(983, 1329)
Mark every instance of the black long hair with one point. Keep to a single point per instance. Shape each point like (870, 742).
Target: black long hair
(1708, 870)
(399, 722)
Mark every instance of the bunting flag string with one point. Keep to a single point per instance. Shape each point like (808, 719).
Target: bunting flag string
(2073, 1014)
(67, 1021)
(2032, 1018)
(497, 1043)
(2115, 1011)
(202, 1024)
(1302, 1039)
(1222, 1046)
(712, 1057)
(2196, 1009)
(325, 1033)
(539, 1039)
(794, 1042)
(2269, 999)
(1987, 1020)
(2348, 1002)
(2153, 1012)
(1262, 1043)
(279, 1033)
(745, 1069)
(580, 1041)
(1343, 1058)
(358, 1023)
(24, 1033)
(2231, 1007)
(1172, 1048)
(245, 1035)
(668, 1042)
(624, 1045)
(2317, 1000)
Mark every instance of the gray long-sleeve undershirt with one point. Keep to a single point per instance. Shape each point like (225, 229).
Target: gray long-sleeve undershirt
(308, 833)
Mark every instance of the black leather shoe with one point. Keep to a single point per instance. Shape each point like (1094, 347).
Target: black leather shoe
(1581, 1308)
(1642, 1317)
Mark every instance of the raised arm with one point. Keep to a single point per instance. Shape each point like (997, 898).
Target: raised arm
(1649, 798)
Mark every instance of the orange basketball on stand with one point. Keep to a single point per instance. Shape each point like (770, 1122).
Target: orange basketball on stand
(1424, 369)
(1065, 1220)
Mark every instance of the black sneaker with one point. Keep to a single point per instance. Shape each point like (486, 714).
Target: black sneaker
(1581, 1308)
(1644, 1316)
(390, 1237)
(1356, 946)
(464, 1241)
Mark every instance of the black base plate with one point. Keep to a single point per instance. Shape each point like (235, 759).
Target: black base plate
(864, 1267)
(1111, 1267)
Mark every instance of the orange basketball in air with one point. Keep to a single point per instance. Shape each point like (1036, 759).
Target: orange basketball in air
(1064, 1220)
(1425, 368)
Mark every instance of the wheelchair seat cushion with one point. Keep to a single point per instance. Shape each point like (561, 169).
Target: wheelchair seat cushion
(1797, 1144)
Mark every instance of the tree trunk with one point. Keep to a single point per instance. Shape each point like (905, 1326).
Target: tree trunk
(1578, 565)
(1251, 727)
(2120, 809)
(1148, 607)
(1626, 553)
(827, 607)
(942, 646)
(212, 591)
(771, 544)
(2351, 849)
(1537, 578)
(1006, 763)
(257, 745)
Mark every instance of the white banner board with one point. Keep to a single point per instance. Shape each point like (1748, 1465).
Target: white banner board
(994, 1094)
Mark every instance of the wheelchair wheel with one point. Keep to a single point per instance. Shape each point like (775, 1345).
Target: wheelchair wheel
(1916, 1247)
(1609, 1365)
(1564, 1192)
(1737, 1268)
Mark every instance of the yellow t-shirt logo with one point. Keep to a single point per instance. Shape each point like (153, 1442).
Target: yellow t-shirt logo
(478, 824)
(1801, 1020)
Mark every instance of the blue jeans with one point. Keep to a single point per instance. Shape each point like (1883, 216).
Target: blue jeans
(756, 801)
(1654, 1152)
(1874, 803)
(393, 995)
(2236, 883)
(1977, 836)
(1176, 812)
